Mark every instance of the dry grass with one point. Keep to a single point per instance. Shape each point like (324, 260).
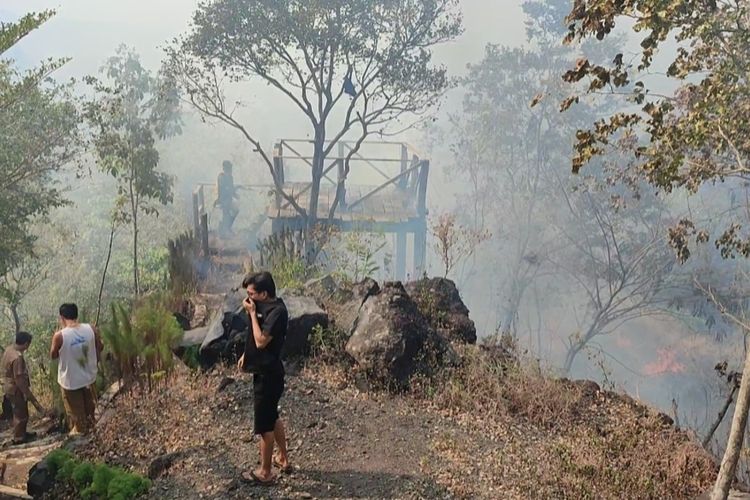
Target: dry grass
(529, 435)
(491, 380)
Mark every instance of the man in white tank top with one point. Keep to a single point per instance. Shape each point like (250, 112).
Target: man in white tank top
(77, 347)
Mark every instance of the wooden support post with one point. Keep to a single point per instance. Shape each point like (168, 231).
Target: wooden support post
(196, 216)
(424, 172)
(341, 186)
(400, 255)
(404, 165)
(204, 236)
(420, 249)
(420, 231)
(413, 178)
(201, 200)
(278, 168)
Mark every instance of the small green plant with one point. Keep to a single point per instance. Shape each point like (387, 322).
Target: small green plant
(291, 272)
(98, 481)
(327, 344)
(355, 255)
(142, 346)
(190, 357)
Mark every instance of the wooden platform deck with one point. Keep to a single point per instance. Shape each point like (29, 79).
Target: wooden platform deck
(391, 204)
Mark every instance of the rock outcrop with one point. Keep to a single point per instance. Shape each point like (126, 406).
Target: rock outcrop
(392, 341)
(346, 302)
(439, 301)
(304, 315)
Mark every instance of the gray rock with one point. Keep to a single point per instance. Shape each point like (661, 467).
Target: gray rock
(161, 463)
(304, 315)
(392, 341)
(439, 301)
(194, 336)
(219, 319)
(40, 480)
(320, 288)
(346, 303)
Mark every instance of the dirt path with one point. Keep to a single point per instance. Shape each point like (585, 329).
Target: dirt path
(343, 444)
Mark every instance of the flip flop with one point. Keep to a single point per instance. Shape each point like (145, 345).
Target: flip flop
(284, 470)
(252, 477)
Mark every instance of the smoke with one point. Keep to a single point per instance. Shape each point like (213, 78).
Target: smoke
(657, 360)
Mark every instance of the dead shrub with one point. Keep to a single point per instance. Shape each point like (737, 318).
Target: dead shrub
(491, 379)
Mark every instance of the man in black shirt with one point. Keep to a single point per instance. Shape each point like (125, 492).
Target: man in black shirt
(268, 323)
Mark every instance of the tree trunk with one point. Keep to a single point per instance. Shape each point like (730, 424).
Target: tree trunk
(318, 164)
(707, 440)
(16, 317)
(570, 356)
(136, 284)
(736, 434)
(134, 214)
(104, 273)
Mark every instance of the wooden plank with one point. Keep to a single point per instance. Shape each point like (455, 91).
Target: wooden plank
(386, 184)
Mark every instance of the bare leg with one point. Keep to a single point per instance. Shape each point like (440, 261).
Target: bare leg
(266, 452)
(279, 434)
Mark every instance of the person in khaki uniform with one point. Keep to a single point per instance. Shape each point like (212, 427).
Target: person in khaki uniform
(17, 386)
(76, 347)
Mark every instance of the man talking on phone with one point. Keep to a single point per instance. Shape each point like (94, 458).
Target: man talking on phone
(268, 319)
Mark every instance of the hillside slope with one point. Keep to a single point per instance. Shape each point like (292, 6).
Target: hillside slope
(349, 444)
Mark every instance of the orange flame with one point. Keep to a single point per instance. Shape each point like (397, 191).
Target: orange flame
(666, 362)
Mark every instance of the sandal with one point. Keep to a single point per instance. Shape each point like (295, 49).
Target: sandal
(283, 469)
(27, 437)
(252, 477)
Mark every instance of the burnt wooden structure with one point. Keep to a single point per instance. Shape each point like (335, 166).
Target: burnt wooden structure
(385, 192)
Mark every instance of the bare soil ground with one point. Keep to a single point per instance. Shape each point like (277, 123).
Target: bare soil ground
(349, 444)
(343, 444)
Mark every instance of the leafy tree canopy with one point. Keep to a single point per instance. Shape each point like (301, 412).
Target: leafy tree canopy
(127, 116)
(697, 134)
(39, 127)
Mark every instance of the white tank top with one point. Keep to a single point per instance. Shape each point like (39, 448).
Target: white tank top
(77, 364)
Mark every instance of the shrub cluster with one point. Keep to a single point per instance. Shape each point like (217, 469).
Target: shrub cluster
(99, 481)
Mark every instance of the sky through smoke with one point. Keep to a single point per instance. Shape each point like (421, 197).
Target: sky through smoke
(89, 31)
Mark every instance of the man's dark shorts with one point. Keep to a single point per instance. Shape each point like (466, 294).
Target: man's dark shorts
(267, 390)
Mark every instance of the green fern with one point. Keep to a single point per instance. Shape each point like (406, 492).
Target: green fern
(141, 343)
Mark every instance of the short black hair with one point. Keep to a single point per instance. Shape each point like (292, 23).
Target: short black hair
(69, 311)
(262, 282)
(23, 338)
(226, 165)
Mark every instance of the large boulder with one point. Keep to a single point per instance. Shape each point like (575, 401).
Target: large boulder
(321, 289)
(344, 305)
(229, 328)
(304, 315)
(196, 336)
(392, 341)
(227, 331)
(439, 301)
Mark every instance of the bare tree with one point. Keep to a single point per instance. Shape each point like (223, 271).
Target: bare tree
(22, 280)
(348, 66)
(619, 259)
